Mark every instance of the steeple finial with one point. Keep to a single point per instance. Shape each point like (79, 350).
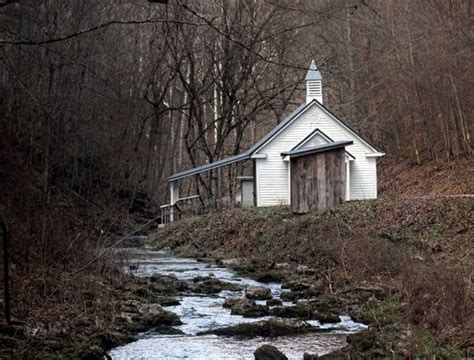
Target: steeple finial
(313, 72)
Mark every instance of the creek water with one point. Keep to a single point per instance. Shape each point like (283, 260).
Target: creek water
(200, 313)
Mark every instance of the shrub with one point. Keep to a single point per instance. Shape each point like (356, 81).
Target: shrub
(437, 297)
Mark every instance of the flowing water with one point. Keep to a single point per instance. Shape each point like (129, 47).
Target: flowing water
(200, 313)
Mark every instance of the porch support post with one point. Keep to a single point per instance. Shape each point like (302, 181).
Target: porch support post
(254, 173)
(174, 196)
(348, 180)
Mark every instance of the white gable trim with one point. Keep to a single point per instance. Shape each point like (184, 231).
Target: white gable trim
(317, 132)
(344, 125)
(300, 111)
(288, 123)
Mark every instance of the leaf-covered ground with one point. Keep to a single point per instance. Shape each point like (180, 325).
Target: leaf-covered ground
(420, 251)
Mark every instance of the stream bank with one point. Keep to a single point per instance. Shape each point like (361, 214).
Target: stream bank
(205, 315)
(383, 262)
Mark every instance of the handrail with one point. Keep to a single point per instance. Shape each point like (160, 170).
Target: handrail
(180, 200)
(167, 211)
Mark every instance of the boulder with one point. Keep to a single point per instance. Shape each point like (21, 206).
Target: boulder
(245, 307)
(151, 315)
(231, 301)
(154, 320)
(327, 317)
(150, 309)
(131, 306)
(250, 309)
(297, 285)
(94, 352)
(258, 293)
(274, 302)
(269, 328)
(269, 352)
(326, 309)
(307, 356)
(163, 279)
(167, 330)
(212, 285)
(300, 311)
(108, 339)
(271, 276)
(167, 284)
(167, 301)
(326, 304)
(288, 296)
(303, 290)
(124, 317)
(305, 311)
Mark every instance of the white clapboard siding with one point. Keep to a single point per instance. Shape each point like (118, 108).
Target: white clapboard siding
(272, 171)
(272, 181)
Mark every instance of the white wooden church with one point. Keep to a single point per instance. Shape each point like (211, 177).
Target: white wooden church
(312, 129)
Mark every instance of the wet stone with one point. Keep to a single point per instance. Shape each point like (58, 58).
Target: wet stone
(305, 311)
(258, 293)
(245, 307)
(251, 310)
(167, 301)
(300, 311)
(269, 352)
(231, 301)
(274, 302)
(163, 335)
(307, 356)
(269, 276)
(212, 285)
(167, 284)
(271, 328)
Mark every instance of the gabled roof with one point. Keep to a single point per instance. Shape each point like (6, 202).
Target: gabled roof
(317, 149)
(348, 127)
(267, 138)
(298, 112)
(313, 133)
(313, 72)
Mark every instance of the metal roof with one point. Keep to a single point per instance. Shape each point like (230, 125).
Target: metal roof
(210, 166)
(244, 156)
(259, 144)
(344, 123)
(317, 149)
(278, 128)
(313, 72)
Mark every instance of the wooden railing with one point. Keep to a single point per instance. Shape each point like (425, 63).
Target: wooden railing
(184, 206)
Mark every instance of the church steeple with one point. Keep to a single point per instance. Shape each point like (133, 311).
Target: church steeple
(314, 84)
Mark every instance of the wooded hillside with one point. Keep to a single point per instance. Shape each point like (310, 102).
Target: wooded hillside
(101, 97)
(100, 101)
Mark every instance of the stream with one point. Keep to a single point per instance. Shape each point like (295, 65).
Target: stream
(201, 313)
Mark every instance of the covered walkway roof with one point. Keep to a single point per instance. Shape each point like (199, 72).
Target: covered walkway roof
(241, 157)
(210, 166)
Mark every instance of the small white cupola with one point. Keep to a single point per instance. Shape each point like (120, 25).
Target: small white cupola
(314, 84)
